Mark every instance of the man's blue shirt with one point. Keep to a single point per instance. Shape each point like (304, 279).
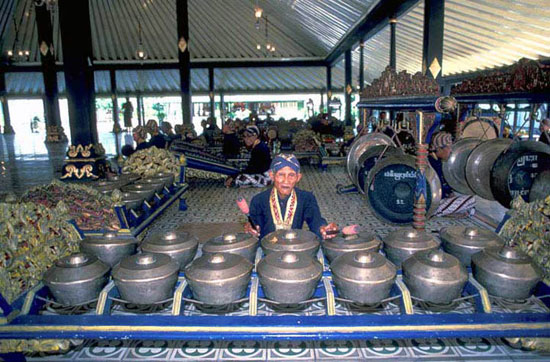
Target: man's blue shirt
(307, 211)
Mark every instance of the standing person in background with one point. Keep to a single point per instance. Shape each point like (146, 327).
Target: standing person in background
(545, 131)
(157, 139)
(256, 172)
(451, 204)
(127, 111)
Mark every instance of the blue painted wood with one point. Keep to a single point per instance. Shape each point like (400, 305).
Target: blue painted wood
(202, 327)
(5, 307)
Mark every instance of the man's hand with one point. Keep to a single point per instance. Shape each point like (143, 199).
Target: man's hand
(250, 230)
(329, 231)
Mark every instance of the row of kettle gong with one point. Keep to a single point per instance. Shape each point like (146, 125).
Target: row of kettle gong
(289, 273)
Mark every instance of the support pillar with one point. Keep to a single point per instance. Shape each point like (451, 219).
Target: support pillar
(140, 109)
(361, 66)
(515, 126)
(349, 88)
(114, 99)
(184, 59)
(432, 49)
(86, 159)
(222, 107)
(211, 91)
(54, 131)
(329, 89)
(393, 56)
(322, 105)
(8, 129)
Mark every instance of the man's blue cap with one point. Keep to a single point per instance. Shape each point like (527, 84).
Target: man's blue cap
(283, 160)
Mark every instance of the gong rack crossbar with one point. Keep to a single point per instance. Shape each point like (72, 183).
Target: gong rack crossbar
(134, 223)
(23, 320)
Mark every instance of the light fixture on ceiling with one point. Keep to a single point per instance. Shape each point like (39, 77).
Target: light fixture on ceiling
(268, 46)
(258, 46)
(17, 53)
(141, 54)
(50, 4)
(258, 15)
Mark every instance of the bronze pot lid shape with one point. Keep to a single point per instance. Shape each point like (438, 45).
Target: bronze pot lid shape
(434, 265)
(109, 238)
(470, 236)
(229, 242)
(75, 268)
(363, 266)
(150, 181)
(218, 267)
(287, 266)
(504, 255)
(353, 242)
(409, 238)
(139, 187)
(145, 267)
(290, 240)
(169, 241)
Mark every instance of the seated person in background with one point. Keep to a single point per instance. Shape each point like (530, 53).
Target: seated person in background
(231, 143)
(256, 172)
(167, 131)
(451, 204)
(157, 139)
(139, 133)
(545, 131)
(127, 150)
(284, 206)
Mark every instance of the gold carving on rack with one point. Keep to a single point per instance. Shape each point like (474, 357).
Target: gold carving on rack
(84, 150)
(34, 345)
(85, 171)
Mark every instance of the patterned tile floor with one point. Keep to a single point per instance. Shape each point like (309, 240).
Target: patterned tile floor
(210, 202)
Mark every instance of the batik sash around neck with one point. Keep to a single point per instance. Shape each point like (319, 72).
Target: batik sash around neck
(276, 214)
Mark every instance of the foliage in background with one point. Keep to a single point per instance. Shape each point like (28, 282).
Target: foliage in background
(33, 238)
(529, 229)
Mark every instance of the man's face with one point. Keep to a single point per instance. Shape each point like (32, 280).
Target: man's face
(249, 139)
(135, 136)
(544, 128)
(443, 153)
(284, 180)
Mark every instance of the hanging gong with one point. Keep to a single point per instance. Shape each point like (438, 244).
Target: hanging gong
(391, 186)
(368, 159)
(515, 169)
(454, 168)
(359, 146)
(481, 128)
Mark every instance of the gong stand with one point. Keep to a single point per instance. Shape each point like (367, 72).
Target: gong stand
(419, 208)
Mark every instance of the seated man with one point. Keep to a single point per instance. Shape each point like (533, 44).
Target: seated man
(157, 139)
(139, 134)
(255, 174)
(451, 204)
(285, 207)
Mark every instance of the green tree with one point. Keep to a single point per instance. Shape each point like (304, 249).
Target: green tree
(159, 109)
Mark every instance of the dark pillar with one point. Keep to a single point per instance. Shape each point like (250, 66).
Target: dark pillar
(140, 109)
(184, 60)
(85, 160)
(211, 91)
(322, 105)
(432, 49)
(222, 106)
(329, 88)
(361, 66)
(349, 88)
(114, 99)
(393, 24)
(54, 132)
(8, 129)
